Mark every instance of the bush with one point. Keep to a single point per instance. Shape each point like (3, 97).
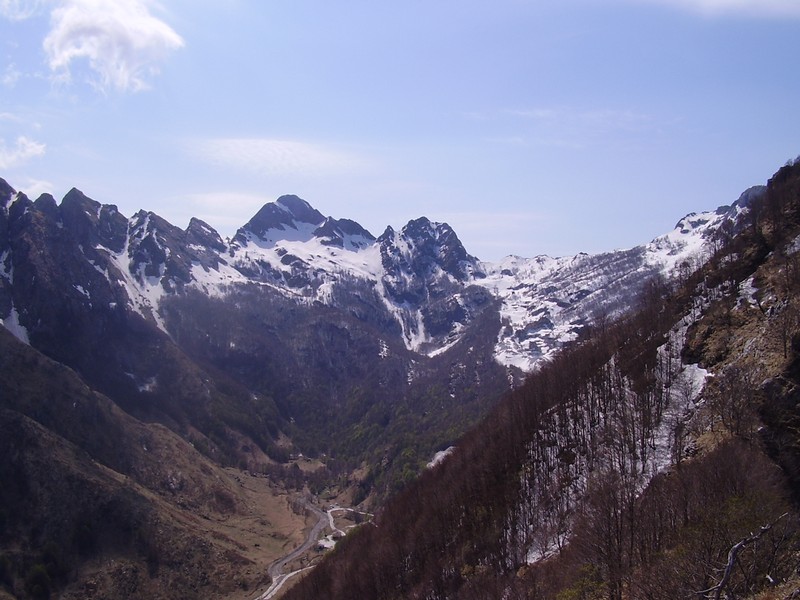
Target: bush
(37, 582)
(6, 576)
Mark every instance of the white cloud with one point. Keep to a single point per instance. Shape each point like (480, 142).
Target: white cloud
(34, 188)
(10, 76)
(754, 8)
(7, 116)
(573, 128)
(226, 211)
(277, 157)
(538, 113)
(605, 119)
(22, 151)
(121, 40)
(18, 10)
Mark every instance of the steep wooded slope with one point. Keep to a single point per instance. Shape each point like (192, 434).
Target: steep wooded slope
(655, 458)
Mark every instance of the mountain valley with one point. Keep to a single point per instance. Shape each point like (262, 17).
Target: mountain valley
(170, 397)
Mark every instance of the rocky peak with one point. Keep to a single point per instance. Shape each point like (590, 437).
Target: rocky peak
(726, 219)
(150, 245)
(6, 193)
(93, 223)
(161, 250)
(422, 261)
(344, 233)
(749, 196)
(19, 205)
(201, 233)
(77, 200)
(300, 210)
(420, 228)
(47, 205)
(423, 246)
(287, 215)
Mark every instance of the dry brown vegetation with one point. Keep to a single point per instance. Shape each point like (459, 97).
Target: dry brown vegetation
(96, 504)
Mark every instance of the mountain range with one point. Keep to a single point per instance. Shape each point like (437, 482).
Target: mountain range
(300, 338)
(426, 286)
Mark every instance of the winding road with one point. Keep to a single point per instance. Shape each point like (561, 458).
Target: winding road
(275, 570)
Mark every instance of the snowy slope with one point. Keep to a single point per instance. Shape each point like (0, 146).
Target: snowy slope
(421, 277)
(546, 301)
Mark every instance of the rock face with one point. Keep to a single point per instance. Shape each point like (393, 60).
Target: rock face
(287, 217)
(344, 233)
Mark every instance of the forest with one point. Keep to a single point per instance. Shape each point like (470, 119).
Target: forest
(657, 457)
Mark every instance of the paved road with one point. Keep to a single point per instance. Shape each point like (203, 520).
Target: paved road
(275, 570)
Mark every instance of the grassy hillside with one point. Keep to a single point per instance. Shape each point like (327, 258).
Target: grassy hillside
(95, 504)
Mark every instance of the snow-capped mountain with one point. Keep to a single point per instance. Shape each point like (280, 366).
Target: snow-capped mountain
(422, 277)
(546, 301)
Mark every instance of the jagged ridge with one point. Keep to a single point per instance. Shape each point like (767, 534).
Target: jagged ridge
(418, 272)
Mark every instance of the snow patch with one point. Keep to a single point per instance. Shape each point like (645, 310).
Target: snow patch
(440, 456)
(7, 267)
(11, 322)
(144, 293)
(794, 247)
(684, 391)
(214, 282)
(149, 385)
(748, 291)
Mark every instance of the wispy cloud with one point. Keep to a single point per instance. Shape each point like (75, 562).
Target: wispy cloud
(606, 119)
(752, 8)
(23, 150)
(19, 10)
(7, 116)
(277, 157)
(574, 128)
(226, 211)
(33, 188)
(10, 76)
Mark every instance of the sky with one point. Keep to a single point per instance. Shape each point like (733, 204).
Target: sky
(530, 126)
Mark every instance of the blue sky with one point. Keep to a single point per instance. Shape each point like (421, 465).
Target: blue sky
(531, 126)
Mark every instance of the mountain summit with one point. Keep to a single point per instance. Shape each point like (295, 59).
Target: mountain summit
(289, 217)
